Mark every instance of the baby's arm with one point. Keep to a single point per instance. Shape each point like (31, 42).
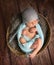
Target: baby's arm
(27, 33)
(24, 31)
(36, 46)
(22, 40)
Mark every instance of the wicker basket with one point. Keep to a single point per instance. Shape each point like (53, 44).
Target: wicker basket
(13, 27)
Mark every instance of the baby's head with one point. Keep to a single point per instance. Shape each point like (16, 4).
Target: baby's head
(32, 23)
(30, 17)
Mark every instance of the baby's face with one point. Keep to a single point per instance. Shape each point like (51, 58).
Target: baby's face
(32, 23)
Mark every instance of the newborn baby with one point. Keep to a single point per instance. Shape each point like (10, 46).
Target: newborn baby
(30, 31)
(30, 35)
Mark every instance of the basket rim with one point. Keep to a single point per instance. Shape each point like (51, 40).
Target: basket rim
(49, 39)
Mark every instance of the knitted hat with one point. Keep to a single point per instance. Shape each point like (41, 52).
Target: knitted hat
(29, 14)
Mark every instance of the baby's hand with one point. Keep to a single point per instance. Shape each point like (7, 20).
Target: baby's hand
(22, 40)
(33, 30)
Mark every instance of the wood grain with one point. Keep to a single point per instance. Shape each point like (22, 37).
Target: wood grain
(3, 51)
(47, 11)
(9, 8)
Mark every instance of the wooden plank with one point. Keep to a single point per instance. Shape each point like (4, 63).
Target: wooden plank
(33, 4)
(44, 57)
(14, 10)
(51, 46)
(47, 11)
(15, 59)
(3, 55)
(1, 39)
(7, 11)
(10, 8)
(51, 52)
(19, 60)
(23, 4)
(36, 60)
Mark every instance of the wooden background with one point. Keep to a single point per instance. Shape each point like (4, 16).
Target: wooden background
(9, 8)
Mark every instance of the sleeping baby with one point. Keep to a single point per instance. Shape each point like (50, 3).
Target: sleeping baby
(29, 31)
(30, 35)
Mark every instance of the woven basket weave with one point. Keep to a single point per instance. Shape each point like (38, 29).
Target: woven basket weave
(16, 21)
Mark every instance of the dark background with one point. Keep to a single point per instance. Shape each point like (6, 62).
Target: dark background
(9, 8)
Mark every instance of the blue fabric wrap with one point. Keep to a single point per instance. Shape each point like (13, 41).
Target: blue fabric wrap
(26, 47)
